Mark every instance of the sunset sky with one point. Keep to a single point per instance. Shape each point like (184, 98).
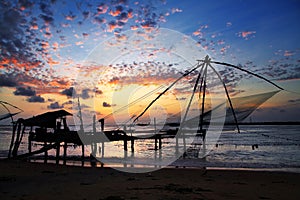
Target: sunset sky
(50, 48)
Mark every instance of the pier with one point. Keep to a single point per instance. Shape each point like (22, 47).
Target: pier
(50, 130)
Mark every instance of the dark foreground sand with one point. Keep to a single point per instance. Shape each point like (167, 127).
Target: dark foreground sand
(21, 180)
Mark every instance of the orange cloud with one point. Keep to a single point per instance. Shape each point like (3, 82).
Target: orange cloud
(197, 33)
(130, 14)
(34, 27)
(70, 17)
(13, 62)
(134, 27)
(52, 62)
(112, 26)
(79, 43)
(115, 13)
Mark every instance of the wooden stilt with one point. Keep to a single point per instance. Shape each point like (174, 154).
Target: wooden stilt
(29, 143)
(57, 153)
(102, 149)
(125, 143)
(65, 153)
(159, 141)
(176, 150)
(12, 139)
(155, 142)
(46, 154)
(82, 157)
(132, 145)
(16, 146)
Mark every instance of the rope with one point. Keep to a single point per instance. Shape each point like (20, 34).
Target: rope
(152, 102)
(249, 72)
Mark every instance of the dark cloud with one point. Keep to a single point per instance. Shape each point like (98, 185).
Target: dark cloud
(114, 80)
(85, 14)
(55, 105)
(118, 2)
(22, 91)
(51, 100)
(85, 93)
(294, 100)
(47, 19)
(68, 102)
(99, 20)
(106, 105)
(24, 4)
(97, 91)
(45, 9)
(34, 99)
(69, 92)
(6, 81)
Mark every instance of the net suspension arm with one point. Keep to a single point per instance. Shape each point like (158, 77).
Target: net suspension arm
(192, 96)
(244, 70)
(228, 97)
(203, 85)
(168, 88)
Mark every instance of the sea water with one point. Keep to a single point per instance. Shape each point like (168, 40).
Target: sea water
(256, 146)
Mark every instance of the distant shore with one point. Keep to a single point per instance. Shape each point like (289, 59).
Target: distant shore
(266, 123)
(23, 180)
(240, 123)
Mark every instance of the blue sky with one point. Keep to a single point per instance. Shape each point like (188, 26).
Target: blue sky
(43, 43)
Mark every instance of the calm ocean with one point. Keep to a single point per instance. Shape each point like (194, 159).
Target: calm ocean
(275, 147)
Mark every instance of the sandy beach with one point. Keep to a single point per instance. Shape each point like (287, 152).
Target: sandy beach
(23, 180)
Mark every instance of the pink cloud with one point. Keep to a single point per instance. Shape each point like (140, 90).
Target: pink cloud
(55, 46)
(176, 10)
(65, 25)
(70, 17)
(134, 27)
(246, 34)
(102, 8)
(198, 32)
(121, 37)
(288, 53)
(228, 24)
(79, 43)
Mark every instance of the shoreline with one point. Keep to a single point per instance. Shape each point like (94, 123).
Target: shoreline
(177, 164)
(113, 166)
(24, 180)
(180, 163)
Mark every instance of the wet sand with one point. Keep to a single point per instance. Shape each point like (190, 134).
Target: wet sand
(23, 180)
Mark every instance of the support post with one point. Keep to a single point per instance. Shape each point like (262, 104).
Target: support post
(82, 156)
(29, 143)
(176, 150)
(16, 145)
(46, 153)
(65, 152)
(12, 138)
(102, 150)
(132, 145)
(57, 153)
(189, 105)
(125, 143)
(159, 142)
